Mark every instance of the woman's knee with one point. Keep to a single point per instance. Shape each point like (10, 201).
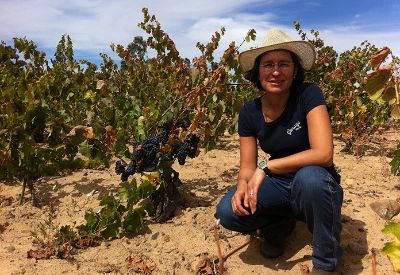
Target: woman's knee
(311, 181)
(224, 212)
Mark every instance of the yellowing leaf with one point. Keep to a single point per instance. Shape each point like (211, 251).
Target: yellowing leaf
(89, 95)
(89, 133)
(141, 127)
(350, 115)
(389, 94)
(396, 111)
(376, 83)
(392, 229)
(392, 249)
(152, 177)
(215, 98)
(359, 101)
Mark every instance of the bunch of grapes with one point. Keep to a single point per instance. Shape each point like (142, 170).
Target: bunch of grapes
(147, 155)
(188, 148)
(125, 172)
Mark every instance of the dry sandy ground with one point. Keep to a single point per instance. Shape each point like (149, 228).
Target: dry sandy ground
(177, 246)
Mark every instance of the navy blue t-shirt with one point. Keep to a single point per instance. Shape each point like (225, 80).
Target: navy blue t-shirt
(288, 134)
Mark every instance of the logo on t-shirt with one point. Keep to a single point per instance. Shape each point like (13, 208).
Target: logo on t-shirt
(296, 127)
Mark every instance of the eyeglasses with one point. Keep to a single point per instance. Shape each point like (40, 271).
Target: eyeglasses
(282, 65)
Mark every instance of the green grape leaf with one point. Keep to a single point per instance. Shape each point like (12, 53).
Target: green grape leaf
(145, 189)
(128, 191)
(90, 218)
(65, 234)
(392, 249)
(112, 230)
(395, 162)
(85, 149)
(108, 201)
(133, 221)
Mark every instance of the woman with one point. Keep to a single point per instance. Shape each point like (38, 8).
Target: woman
(290, 122)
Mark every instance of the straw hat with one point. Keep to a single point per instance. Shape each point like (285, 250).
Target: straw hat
(278, 40)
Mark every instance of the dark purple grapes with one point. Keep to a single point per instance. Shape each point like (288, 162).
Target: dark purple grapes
(152, 140)
(119, 167)
(125, 172)
(182, 153)
(146, 156)
(131, 169)
(188, 148)
(164, 134)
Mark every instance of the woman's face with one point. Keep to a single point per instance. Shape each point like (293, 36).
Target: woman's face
(277, 71)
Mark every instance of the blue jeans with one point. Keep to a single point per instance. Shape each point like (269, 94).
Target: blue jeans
(312, 195)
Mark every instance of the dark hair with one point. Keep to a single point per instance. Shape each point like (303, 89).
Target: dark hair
(253, 74)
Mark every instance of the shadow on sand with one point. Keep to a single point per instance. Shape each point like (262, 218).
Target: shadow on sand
(301, 238)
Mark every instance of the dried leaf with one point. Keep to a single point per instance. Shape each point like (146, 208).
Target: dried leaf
(137, 263)
(205, 265)
(81, 130)
(378, 58)
(304, 269)
(100, 84)
(42, 253)
(193, 127)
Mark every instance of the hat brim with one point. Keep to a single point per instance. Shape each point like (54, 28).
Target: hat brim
(303, 49)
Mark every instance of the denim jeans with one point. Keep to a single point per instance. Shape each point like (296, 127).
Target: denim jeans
(312, 195)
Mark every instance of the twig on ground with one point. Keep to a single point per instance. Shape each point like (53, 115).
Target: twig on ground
(222, 259)
(373, 251)
(237, 249)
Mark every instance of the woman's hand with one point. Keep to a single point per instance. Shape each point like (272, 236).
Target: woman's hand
(240, 199)
(252, 188)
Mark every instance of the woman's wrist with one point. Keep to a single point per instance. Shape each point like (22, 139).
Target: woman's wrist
(263, 165)
(242, 182)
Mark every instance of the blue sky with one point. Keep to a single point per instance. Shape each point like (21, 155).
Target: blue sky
(94, 24)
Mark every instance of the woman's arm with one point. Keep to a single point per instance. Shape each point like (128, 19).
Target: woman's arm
(321, 145)
(248, 160)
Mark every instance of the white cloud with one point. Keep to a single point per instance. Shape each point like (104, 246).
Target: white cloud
(94, 24)
(345, 38)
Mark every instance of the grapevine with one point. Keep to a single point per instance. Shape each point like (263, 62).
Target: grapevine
(59, 113)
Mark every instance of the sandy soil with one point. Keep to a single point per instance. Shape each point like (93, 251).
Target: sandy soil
(180, 245)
